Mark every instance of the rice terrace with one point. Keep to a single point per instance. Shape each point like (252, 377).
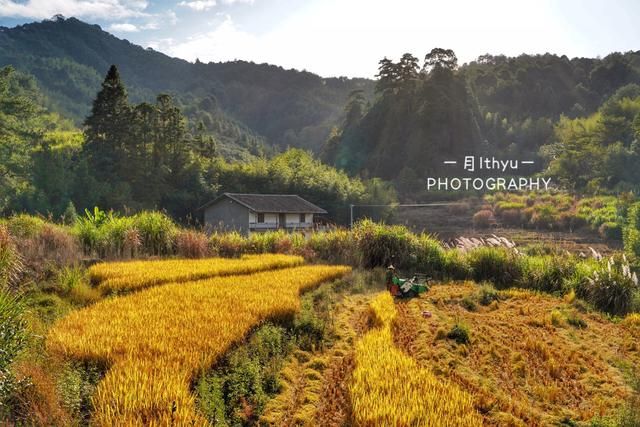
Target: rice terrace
(197, 231)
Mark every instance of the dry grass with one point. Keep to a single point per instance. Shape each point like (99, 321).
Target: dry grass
(529, 362)
(389, 388)
(315, 385)
(156, 340)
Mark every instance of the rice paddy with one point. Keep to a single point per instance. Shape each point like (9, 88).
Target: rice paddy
(154, 341)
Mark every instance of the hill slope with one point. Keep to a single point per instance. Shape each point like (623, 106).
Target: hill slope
(69, 59)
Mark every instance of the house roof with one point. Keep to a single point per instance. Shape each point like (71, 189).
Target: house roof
(271, 203)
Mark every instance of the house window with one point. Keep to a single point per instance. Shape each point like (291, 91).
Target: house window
(260, 217)
(302, 218)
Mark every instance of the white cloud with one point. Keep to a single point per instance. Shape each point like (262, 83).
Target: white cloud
(43, 9)
(124, 28)
(226, 42)
(199, 5)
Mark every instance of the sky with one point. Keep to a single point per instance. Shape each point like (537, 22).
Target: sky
(349, 37)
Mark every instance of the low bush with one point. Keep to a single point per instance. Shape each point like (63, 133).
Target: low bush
(512, 217)
(13, 339)
(430, 256)
(546, 273)
(613, 288)
(487, 294)
(460, 333)
(382, 245)
(456, 265)
(157, 232)
(610, 231)
(229, 245)
(192, 244)
(336, 246)
(73, 283)
(483, 218)
(25, 226)
(500, 266)
(10, 261)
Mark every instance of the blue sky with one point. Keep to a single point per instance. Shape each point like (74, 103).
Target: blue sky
(348, 37)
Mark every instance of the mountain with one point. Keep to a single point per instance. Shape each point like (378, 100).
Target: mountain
(495, 106)
(242, 103)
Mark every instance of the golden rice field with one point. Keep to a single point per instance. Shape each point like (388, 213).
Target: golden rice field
(120, 277)
(156, 340)
(528, 363)
(388, 387)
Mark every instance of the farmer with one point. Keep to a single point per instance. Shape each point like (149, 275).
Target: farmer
(393, 282)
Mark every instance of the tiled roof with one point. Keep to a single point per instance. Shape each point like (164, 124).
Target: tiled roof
(272, 203)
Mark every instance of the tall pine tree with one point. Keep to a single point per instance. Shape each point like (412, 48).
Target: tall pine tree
(106, 129)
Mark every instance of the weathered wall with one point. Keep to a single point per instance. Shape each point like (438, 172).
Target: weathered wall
(227, 215)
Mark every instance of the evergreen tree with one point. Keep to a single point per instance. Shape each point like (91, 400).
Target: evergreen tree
(106, 128)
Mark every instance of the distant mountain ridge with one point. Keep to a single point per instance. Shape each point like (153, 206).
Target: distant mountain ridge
(239, 102)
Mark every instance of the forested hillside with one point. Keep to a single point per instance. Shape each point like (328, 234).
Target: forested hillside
(243, 104)
(131, 157)
(431, 111)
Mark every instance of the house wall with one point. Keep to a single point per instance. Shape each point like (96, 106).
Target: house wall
(227, 215)
(269, 218)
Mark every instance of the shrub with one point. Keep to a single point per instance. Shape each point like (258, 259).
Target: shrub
(336, 246)
(210, 391)
(192, 244)
(10, 262)
(157, 232)
(456, 265)
(576, 321)
(512, 217)
(613, 287)
(500, 266)
(459, 333)
(508, 205)
(544, 216)
(468, 303)
(610, 231)
(52, 246)
(13, 339)
(74, 284)
(546, 273)
(487, 294)
(229, 245)
(113, 234)
(25, 226)
(483, 218)
(430, 256)
(382, 245)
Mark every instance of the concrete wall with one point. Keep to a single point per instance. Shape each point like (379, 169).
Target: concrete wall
(227, 215)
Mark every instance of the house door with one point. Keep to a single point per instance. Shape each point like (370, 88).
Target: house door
(282, 220)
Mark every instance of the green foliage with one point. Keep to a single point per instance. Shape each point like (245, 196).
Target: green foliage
(236, 393)
(76, 385)
(25, 226)
(460, 333)
(613, 287)
(547, 273)
(13, 339)
(382, 245)
(156, 230)
(10, 262)
(487, 294)
(500, 266)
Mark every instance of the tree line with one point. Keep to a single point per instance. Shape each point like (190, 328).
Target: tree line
(131, 157)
